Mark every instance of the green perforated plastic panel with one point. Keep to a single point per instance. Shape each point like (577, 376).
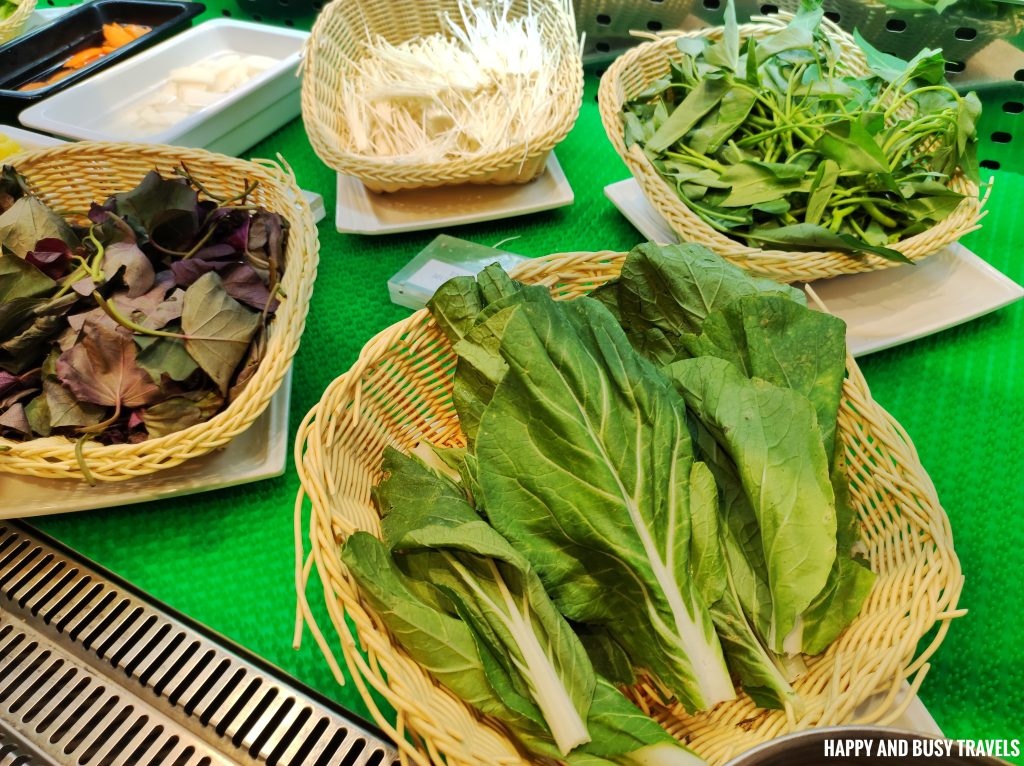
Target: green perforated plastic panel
(225, 558)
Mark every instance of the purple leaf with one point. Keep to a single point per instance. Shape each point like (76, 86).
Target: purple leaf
(246, 286)
(51, 256)
(239, 239)
(8, 382)
(216, 252)
(99, 214)
(102, 369)
(14, 418)
(187, 272)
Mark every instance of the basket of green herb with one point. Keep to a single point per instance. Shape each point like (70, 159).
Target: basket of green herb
(794, 149)
(151, 301)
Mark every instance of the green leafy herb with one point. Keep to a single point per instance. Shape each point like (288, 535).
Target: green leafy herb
(775, 144)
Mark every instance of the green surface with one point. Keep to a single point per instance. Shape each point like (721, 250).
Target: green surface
(225, 558)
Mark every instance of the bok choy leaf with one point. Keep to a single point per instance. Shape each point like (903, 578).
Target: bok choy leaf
(582, 460)
(469, 609)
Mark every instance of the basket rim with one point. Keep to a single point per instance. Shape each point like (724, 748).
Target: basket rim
(117, 461)
(375, 661)
(789, 265)
(397, 170)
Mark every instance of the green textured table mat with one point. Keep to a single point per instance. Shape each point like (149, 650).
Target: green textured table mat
(225, 558)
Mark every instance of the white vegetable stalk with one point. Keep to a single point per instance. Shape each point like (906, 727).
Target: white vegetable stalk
(567, 726)
(664, 755)
(483, 83)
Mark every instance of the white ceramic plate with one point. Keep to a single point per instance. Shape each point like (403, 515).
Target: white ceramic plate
(915, 718)
(30, 140)
(93, 108)
(881, 309)
(361, 211)
(256, 454)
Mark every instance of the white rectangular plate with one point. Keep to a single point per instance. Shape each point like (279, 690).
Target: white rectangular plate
(881, 309)
(257, 453)
(92, 109)
(28, 139)
(361, 211)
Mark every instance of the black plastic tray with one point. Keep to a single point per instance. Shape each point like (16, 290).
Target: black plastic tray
(41, 52)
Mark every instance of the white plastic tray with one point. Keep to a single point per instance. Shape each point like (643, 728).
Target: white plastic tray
(881, 309)
(92, 109)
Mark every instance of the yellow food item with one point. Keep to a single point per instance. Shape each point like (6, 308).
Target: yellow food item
(8, 146)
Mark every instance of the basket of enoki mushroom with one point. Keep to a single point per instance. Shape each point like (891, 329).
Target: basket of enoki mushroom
(424, 94)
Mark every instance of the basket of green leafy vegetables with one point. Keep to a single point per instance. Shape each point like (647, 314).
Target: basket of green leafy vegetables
(796, 150)
(643, 486)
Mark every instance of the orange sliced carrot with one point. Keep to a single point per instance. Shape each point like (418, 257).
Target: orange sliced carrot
(83, 58)
(137, 30)
(115, 35)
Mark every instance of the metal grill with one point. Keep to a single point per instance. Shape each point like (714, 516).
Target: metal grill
(92, 672)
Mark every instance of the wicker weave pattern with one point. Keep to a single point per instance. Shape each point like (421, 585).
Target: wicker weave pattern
(635, 70)
(399, 393)
(69, 178)
(339, 38)
(11, 26)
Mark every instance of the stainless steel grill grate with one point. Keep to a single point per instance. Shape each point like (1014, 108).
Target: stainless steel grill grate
(92, 672)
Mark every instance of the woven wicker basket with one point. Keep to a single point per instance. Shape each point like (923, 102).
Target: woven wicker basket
(399, 393)
(338, 39)
(69, 178)
(635, 70)
(12, 26)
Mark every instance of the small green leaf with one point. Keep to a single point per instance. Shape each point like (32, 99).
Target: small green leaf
(698, 102)
(821, 191)
(718, 126)
(726, 51)
(38, 413)
(165, 356)
(27, 221)
(848, 143)
(20, 279)
(65, 410)
(219, 328)
(810, 237)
